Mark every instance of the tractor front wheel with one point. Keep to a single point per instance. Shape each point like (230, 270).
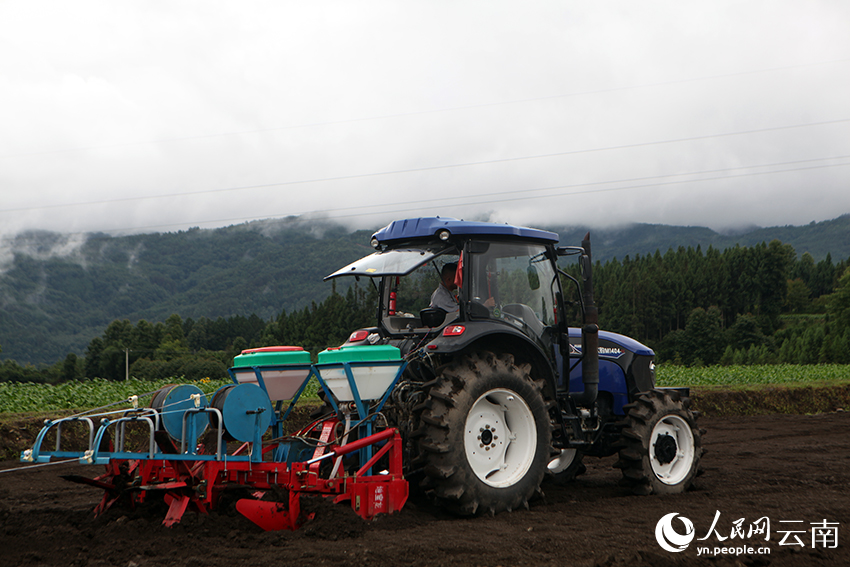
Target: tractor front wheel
(487, 435)
(661, 444)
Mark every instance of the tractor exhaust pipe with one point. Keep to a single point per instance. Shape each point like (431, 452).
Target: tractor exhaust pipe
(589, 333)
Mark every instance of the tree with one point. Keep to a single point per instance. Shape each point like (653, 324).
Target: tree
(146, 337)
(774, 263)
(745, 333)
(804, 269)
(93, 354)
(840, 348)
(728, 356)
(70, 369)
(822, 281)
(703, 336)
(839, 304)
(810, 346)
(797, 298)
(173, 341)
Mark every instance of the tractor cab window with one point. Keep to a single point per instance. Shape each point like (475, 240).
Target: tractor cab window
(399, 261)
(514, 283)
(405, 296)
(408, 277)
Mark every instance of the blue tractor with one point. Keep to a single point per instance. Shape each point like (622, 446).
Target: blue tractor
(499, 391)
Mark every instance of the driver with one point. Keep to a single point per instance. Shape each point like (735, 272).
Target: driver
(443, 298)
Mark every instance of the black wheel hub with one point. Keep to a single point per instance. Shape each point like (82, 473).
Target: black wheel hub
(665, 448)
(486, 436)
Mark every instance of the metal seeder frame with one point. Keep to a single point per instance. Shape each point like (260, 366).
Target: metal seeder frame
(178, 469)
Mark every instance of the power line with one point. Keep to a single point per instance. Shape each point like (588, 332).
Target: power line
(628, 180)
(409, 206)
(524, 197)
(431, 168)
(431, 111)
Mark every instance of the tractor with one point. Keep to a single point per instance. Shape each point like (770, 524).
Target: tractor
(478, 396)
(499, 392)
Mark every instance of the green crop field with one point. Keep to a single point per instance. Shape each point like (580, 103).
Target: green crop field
(75, 396)
(86, 394)
(752, 376)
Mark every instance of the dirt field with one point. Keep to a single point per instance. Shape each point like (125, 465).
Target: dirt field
(783, 467)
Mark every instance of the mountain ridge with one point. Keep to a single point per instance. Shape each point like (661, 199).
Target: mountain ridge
(57, 291)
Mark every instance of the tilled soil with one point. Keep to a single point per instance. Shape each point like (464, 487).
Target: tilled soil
(786, 468)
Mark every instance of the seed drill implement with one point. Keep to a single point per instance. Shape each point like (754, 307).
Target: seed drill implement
(346, 455)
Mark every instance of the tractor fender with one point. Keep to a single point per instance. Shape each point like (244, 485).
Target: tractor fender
(497, 337)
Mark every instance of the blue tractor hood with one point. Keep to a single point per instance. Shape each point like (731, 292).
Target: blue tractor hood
(618, 340)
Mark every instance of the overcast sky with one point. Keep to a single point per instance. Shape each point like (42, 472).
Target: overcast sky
(164, 115)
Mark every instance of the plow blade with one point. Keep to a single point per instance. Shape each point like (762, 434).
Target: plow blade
(79, 479)
(176, 508)
(111, 493)
(271, 516)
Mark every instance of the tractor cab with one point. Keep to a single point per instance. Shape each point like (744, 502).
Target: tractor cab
(508, 280)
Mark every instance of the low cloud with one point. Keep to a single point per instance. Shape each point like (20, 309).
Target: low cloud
(560, 113)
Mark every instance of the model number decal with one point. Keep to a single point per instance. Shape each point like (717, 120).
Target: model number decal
(609, 352)
(613, 352)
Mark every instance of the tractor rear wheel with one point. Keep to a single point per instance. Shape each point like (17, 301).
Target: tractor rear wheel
(486, 435)
(661, 444)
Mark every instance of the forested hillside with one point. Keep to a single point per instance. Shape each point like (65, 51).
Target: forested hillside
(59, 292)
(746, 305)
(830, 237)
(756, 305)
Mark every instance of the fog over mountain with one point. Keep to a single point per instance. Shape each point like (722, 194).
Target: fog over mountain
(58, 291)
(133, 117)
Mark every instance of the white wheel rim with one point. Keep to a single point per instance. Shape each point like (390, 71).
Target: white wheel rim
(500, 438)
(563, 461)
(671, 468)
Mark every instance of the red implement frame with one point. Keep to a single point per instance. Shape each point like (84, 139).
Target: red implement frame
(200, 483)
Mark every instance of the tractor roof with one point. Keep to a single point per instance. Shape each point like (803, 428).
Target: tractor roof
(427, 227)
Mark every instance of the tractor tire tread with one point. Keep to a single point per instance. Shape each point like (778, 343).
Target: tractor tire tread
(642, 416)
(459, 385)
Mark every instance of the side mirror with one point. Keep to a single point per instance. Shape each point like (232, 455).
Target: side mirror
(432, 317)
(584, 263)
(533, 278)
